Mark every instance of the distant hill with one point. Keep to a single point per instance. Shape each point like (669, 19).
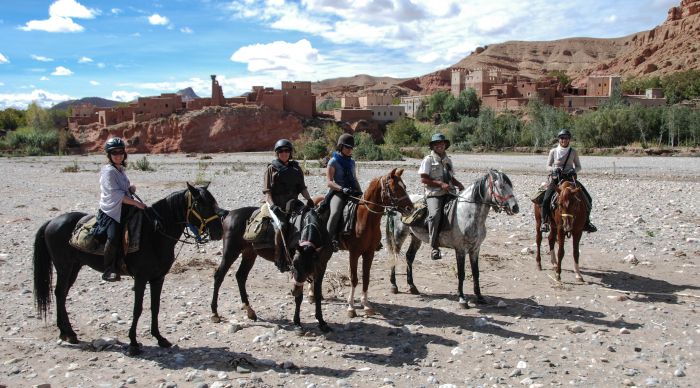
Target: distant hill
(358, 84)
(97, 101)
(187, 94)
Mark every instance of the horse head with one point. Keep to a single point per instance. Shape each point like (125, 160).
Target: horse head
(307, 254)
(394, 192)
(568, 202)
(501, 191)
(203, 213)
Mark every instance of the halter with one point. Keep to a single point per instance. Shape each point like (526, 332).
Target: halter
(198, 233)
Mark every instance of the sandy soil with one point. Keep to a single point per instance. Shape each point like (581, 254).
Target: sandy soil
(634, 322)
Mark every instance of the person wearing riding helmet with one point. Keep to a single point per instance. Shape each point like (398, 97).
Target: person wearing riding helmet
(437, 176)
(283, 182)
(342, 182)
(116, 202)
(561, 159)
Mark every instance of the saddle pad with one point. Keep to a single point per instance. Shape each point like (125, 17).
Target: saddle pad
(82, 238)
(259, 228)
(420, 211)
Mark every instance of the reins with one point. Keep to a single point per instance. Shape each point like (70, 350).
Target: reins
(498, 201)
(384, 193)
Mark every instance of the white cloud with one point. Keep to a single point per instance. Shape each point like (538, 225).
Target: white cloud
(22, 100)
(291, 59)
(2, 84)
(186, 30)
(116, 11)
(84, 60)
(61, 14)
(3, 59)
(94, 83)
(41, 58)
(62, 71)
(101, 65)
(610, 19)
(124, 96)
(44, 78)
(158, 20)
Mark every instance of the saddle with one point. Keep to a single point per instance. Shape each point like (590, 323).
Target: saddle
(259, 229)
(419, 217)
(82, 239)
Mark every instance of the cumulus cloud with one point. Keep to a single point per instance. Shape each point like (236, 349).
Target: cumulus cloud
(41, 58)
(62, 71)
(94, 83)
(22, 100)
(3, 59)
(186, 30)
(158, 20)
(84, 60)
(116, 11)
(291, 59)
(124, 96)
(61, 15)
(44, 78)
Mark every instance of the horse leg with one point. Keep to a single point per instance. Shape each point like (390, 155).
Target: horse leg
(156, 288)
(367, 259)
(551, 238)
(538, 241)
(139, 289)
(297, 308)
(410, 257)
(461, 259)
(64, 281)
(353, 284)
(474, 263)
(247, 263)
(229, 257)
(560, 253)
(318, 287)
(576, 240)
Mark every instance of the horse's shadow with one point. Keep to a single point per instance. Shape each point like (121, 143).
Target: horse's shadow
(647, 289)
(528, 308)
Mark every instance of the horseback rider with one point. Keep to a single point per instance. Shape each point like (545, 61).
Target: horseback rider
(342, 182)
(283, 182)
(563, 159)
(116, 202)
(437, 175)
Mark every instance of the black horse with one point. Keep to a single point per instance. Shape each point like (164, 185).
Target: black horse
(194, 208)
(311, 254)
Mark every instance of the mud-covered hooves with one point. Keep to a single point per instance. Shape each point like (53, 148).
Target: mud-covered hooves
(164, 343)
(71, 339)
(352, 314)
(414, 290)
(394, 290)
(369, 311)
(216, 319)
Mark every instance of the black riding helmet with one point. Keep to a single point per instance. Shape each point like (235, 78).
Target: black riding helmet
(283, 143)
(114, 143)
(345, 140)
(564, 133)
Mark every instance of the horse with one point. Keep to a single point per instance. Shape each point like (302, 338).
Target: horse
(194, 208)
(467, 232)
(309, 238)
(568, 220)
(383, 193)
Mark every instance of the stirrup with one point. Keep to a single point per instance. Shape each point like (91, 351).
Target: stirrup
(335, 246)
(590, 228)
(435, 254)
(110, 276)
(544, 228)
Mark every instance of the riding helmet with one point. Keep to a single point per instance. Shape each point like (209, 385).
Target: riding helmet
(439, 137)
(283, 143)
(346, 140)
(114, 143)
(564, 133)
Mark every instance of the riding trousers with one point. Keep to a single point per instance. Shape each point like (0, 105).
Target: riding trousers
(337, 205)
(547, 199)
(435, 207)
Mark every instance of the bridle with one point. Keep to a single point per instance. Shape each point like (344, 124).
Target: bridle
(386, 195)
(500, 200)
(200, 234)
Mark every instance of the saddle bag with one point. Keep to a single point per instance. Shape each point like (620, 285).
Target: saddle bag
(349, 217)
(420, 211)
(83, 240)
(259, 227)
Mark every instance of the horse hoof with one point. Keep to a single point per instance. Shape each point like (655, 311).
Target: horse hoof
(216, 319)
(539, 267)
(394, 290)
(298, 330)
(580, 279)
(481, 300)
(71, 339)
(369, 311)
(134, 350)
(414, 290)
(325, 328)
(163, 343)
(352, 313)
(464, 304)
(251, 315)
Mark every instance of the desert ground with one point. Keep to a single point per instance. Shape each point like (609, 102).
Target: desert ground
(633, 322)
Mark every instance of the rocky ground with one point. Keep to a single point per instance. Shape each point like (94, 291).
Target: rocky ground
(634, 321)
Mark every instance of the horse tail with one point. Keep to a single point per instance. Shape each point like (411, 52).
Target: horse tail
(392, 244)
(43, 272)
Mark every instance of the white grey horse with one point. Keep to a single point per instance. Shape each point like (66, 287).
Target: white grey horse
(464, 232)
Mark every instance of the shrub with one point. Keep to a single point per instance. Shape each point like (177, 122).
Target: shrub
(143, 165)
(402, 133)
(365, 149)
(71, 168)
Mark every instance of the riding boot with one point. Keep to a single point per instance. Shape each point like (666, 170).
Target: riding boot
(434, 242)
(590, 228)
(111, 256)
(280, 259)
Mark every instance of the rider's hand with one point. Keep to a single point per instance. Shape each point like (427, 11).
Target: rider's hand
(140, 205)
(358, 193)
(347, 191)
(557, 171)
(444, 186)
(310, 203)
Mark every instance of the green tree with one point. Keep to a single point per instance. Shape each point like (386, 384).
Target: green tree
(38, 118)
(11, 119)
(402, 132)
(561, 76)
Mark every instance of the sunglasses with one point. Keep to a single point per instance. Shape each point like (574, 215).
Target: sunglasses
(117, 152)
(284, 151)
(348, 147)
(564, 137)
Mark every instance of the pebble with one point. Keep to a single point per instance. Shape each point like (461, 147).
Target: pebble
(501, 304)
(576, 329)
(457, 351)
(630, 259)
(222, 376)
(679, 373)
(515, 372)
(624, 330)
(527, 251)
(131, 380)
(521, 365)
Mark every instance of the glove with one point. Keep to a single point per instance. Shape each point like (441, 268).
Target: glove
(358, 193)
(310, 204)
(275, 209)
(570, 171)
(557, 171)
(347, 191)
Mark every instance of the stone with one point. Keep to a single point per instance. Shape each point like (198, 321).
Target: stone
(630, 259)
(521, 364)
(457, 351)
(527, 251)
(679, 372)
(576, 329)
(624, 330)
(515, 373)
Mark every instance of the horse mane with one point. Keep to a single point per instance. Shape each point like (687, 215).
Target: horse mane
(373, 184)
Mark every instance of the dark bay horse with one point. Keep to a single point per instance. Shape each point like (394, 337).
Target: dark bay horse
(194, 208)
(568, 220)
(467, 231)
(383, 193)
(308, 263)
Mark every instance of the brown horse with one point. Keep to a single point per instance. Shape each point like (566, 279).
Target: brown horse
(568, 220)
(383, 193)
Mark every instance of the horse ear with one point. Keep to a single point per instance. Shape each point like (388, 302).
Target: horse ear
(206, 186)
(192, 189)
(399, 172)
(392, 173)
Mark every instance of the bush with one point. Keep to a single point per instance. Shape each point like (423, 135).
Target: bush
(365, 149)
(27, 141)
(71, 168)
(402, 133)
(144, 165)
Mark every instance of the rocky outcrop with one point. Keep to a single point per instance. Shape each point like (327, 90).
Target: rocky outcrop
(212, 129)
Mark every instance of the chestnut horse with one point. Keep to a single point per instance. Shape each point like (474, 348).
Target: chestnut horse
(568, 220)
(383, 193)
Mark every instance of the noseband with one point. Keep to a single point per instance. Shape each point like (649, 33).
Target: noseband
(499, 200)
(198, 232)
(387, 193)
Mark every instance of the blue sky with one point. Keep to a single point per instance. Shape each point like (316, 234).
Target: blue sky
(51, 51)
